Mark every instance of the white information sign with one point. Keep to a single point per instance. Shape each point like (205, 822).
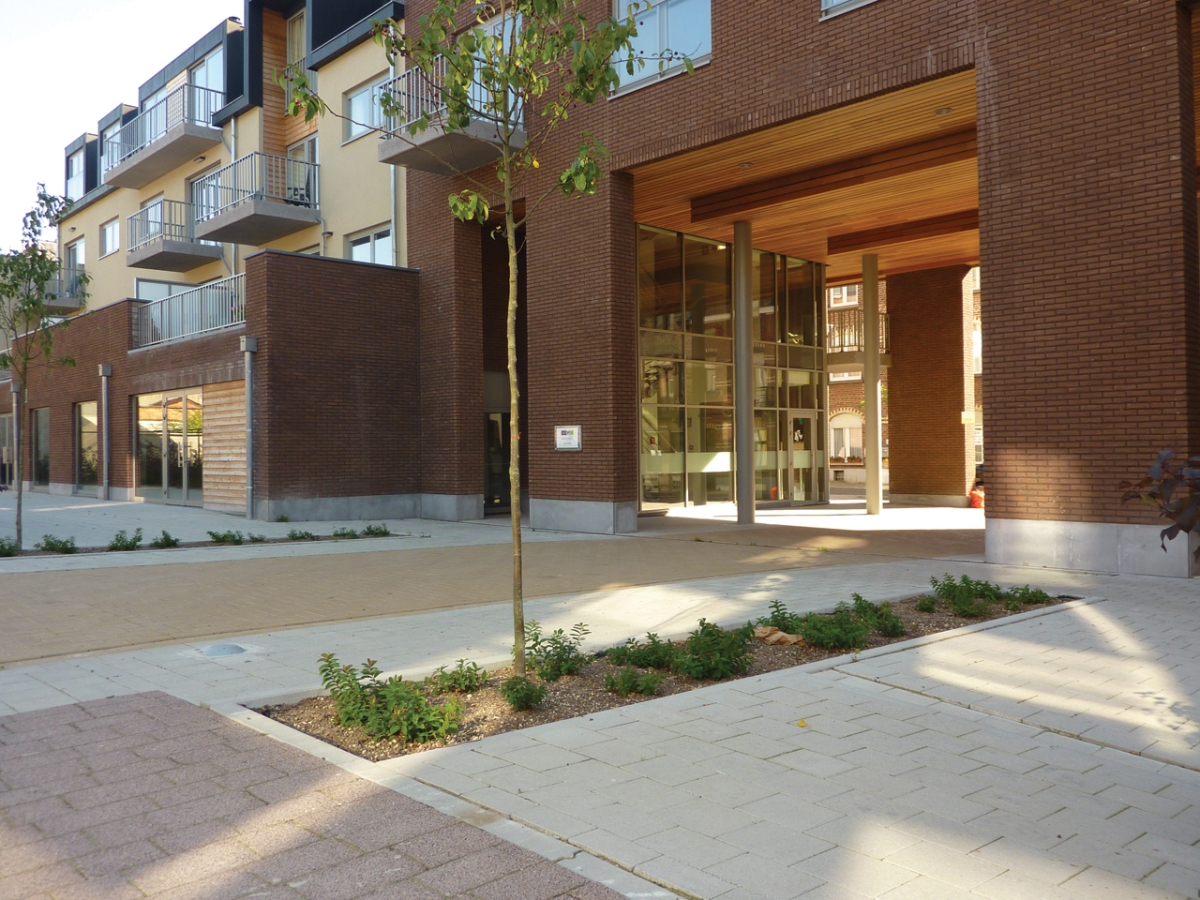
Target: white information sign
(568, 437)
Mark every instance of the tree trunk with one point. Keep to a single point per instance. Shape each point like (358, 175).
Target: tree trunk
(18, 485)
(514, 443)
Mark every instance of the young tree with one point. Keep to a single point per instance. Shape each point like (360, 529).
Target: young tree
(519, 67)
(29, 289)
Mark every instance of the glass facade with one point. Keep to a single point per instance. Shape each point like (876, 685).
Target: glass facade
(170, 448)
(87, 448)
(685, 313)
(39, 421)
(7, 451)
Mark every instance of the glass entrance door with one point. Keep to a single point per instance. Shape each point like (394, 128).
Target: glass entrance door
(800, 470)
(497, 494)
(171, 448)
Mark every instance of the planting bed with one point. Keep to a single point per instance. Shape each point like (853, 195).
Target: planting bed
(485, 712)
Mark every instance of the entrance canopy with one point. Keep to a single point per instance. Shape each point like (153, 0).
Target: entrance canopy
(895, 175)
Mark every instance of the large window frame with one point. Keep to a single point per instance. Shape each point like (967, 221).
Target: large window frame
(361, 108)
(694, 20)
(39, 444)
(76, 187)
(87, 447)
(110, 237)
(374, 246)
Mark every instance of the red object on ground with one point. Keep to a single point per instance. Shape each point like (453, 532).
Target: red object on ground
(976, 496)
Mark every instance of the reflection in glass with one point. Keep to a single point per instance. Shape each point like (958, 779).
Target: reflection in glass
(195, 450)
(765, 387)
(150, 444)
(766, 454)
(801, 304)
(498, 488)
(709, 383)
(660, 280)
(709, 299)
(7, 451)
(176, 454)
(662, 456)
(762, 296)
(710, 455)
(660, 381)
(40, 420)
(87, 457)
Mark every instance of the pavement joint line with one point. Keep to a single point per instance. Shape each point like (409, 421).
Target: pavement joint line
(558, 850)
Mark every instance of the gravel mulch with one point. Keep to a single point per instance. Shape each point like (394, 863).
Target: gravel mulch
(486, 713)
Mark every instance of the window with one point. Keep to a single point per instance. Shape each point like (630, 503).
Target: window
(837, 7)
(75, 187)
(844, 376)
(73, 264)
(847, 432)
(668, 27)
(363, 111)
(110, 150)
(87, 455)
(158, 290)
(110, 237)
(210, 72)
(39, 421)
(372, 248)
(843, 296)
(297, 47)
(977, 346)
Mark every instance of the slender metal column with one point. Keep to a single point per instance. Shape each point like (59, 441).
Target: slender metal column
(105, 375)
(249, 348)
(873, 427)
(743, 372)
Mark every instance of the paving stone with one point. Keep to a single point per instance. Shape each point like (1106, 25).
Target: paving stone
(763, 877)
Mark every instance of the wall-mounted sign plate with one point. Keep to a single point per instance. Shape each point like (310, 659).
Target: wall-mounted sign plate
(568, 437)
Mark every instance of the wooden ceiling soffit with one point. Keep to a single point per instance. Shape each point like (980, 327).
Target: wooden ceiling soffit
(876, 166)
(967, 220)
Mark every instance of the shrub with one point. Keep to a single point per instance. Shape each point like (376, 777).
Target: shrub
(555, 654)
(8, 547)
(1026, 594)
(879, 617)
(629, 680)
(966, 597)
(165, 541)
(226, 537)
(1012, 604)
(52, 544)
(375, 531)
(521, 693)
(282, 519)
(122, 541)
(712, 652)
(926, 604)
(654, 654)
(256, 538)
(385, 709)
(347, 533)
(840, 631)
(297, 535)
(782, 618)
(462, 679)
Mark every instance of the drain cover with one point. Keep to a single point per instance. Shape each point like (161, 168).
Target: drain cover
(223, 650)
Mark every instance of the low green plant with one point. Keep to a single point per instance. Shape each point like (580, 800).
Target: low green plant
(376, 531)
(347, 533)
(51, 544)
(462, 679)
(165, 541)
(966, 597)
(655, 653)
(556, 654)
(878, 616)
(226, 537)
(782, 618)
(840, 631)
(712, 652)
(8, 547)
(1028, 595)
(521, 693)
(122, 541)
(256, 538)
(297, 535)
(1012, 604)
(926, 604)
(282, 519)
(629, 680)
(385, 709)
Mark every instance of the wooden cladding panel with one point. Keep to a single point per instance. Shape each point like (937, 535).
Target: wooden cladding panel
(274, 50)
(937, 226)
(225, 446)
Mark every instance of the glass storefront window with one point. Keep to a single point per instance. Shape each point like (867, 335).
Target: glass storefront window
(710, 455)
(171, 448)
(765, 388)
(801, 304)
(660, 381)
(87, 448)
(7, 451)
(709, 384)
(40, 422)
(660, 280)
(766, 454)
(708, 295)
(762, 296)
(149, 449)
(662, 456)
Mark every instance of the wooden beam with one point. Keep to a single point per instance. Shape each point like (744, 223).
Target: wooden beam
(967, 220)
(846, 173)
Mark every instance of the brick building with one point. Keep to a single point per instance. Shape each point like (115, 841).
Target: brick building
(842, 142)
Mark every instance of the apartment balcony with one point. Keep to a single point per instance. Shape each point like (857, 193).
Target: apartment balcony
(202, 310)
(162, 236)
(256, 200)
(66, 290)
(414, 94)
(845, 341)
(163, 137)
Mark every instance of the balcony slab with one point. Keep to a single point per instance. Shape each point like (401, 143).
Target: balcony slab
(257, 222)
(853, 361)
(172, 256)
(446, 153)
(179, 145)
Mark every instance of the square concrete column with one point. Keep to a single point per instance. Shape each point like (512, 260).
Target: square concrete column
(931, 384)
(582, 361)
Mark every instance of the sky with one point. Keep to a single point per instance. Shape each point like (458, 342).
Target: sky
(65, 63)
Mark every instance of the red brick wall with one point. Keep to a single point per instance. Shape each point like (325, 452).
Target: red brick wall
(931, 383)
(336, 395)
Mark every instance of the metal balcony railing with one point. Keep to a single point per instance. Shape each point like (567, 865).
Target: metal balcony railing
(68, 284)
(844, 332)
(168, 220)
(187, 103)
(415, 93)
(256, 176)
(209, 307)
